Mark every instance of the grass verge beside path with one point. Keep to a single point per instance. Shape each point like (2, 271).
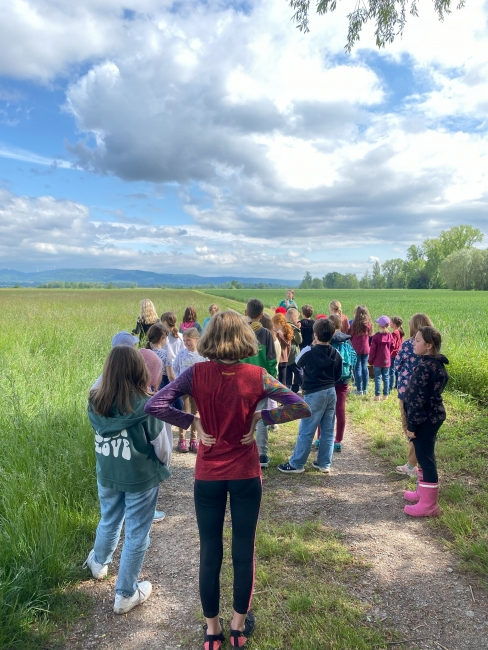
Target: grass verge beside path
(300, 600)
(462, 459)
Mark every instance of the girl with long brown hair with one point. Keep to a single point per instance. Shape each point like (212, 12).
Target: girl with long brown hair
(360, 331)
(132, 454)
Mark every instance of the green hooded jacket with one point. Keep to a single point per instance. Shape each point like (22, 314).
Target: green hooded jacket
(124, 448)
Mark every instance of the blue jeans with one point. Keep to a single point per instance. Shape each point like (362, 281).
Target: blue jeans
(361, 373)
(379, 374)
(138, 510)
(392, 376)
(323, 405)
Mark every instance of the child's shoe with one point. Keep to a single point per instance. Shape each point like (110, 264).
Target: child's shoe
(324, 470)
(385, 397)
(159, 515)
(124, 604)
(316, 444)
(183, 446)
(427, 505)
(409, 495)
(213, 641)
(239, 639)
(338, 446)
(286, 468)
(406, 469)
(98, 571)
(194, 446)
(264, 461)
(377, 398)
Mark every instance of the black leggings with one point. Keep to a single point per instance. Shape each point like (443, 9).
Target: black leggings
(210, 503)
(293, 377)
(424, 443)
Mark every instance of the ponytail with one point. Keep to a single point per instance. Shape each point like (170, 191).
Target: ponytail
(169, 317)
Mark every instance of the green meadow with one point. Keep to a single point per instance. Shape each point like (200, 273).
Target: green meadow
(52, 347)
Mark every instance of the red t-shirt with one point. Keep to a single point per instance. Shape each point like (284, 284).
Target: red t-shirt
(226, 396)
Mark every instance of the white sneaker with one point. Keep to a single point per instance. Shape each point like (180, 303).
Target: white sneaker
(124, 604)
(405, 469)
(98, 571)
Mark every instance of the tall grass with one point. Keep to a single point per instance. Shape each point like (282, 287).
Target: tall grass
(459, 315)
(52, 347)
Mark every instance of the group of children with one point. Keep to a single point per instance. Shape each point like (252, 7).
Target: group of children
(223, 382)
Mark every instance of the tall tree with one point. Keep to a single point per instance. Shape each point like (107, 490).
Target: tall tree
(307, 281)
(449, 241)
(389, 16)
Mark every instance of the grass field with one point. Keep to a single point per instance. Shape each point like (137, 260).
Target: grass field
(52, 346)
(460, 316)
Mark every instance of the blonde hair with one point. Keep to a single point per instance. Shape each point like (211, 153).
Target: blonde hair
(292, 312)
(169, 317)
(336, 320)
(124, 377)
(213, 309)
(417, 321)
(335, 306)
(229, 337)
(280, 321)
(148, 312)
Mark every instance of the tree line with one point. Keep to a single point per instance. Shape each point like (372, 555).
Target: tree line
(447, 261)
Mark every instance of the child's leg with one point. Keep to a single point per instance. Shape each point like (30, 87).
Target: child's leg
(187, 409)
(112, 507)
(358, 374)
(412, 458)
(377, 381)
(326, 447)
(139, 514)
(364, 362)
(289, 376)
(386, 381)
(210, 501)
(296, 378)
(245, 500)
(194, 410)
(341, 394)
(307, 428)
(424, 444)
(391, 375)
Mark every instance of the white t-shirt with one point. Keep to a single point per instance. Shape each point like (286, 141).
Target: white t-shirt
(174, 344)
(186, 359)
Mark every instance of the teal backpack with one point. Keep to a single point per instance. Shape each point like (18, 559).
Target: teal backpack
(349, 358)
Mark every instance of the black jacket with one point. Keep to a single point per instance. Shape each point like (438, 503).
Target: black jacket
(307, 332)
(322, 368)
(423, 395)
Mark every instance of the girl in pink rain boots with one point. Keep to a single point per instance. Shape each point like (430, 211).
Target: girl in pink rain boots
(425, 413)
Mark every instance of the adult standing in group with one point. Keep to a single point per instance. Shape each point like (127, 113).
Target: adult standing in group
(146, 318)
(289, 301)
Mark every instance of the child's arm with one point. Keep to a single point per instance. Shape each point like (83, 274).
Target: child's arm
(337, 367)
(372, 351)
(293, 407)
(177, 365)
(297, 336)
(157, 436)
(160, 405)
(170, 373)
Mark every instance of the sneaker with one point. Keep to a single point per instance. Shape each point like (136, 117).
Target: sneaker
(385, 397)
(239, 639)
(377, 398)
(264, 461)
(338, 446)
(159, 515)
(405, 469)
(98, 571)
(324, 470)
(273, 428)
(286, 468)
(316, 444)
(183, 446)
(124, 604)
(194, 446)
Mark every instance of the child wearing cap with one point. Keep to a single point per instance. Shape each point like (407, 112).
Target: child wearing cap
(382, 345)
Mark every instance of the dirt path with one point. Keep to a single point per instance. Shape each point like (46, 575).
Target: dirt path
(414, 585)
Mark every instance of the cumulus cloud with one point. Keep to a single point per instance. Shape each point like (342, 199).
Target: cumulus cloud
(275, 139)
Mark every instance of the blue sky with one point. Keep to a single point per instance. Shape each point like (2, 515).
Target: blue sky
(214, 138)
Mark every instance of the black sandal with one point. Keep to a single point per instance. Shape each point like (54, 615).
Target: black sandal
(213, 641)
(239, 639)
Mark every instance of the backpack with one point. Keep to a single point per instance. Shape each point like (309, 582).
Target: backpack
(349, 358)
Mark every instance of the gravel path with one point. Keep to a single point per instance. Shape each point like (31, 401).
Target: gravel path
(414, 585)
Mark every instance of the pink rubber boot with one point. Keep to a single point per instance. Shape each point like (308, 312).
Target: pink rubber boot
(408, 495)
(427, 506)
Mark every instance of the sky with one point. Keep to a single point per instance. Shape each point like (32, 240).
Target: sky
(215, 138)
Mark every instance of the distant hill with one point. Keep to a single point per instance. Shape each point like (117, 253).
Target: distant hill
(122, 277)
